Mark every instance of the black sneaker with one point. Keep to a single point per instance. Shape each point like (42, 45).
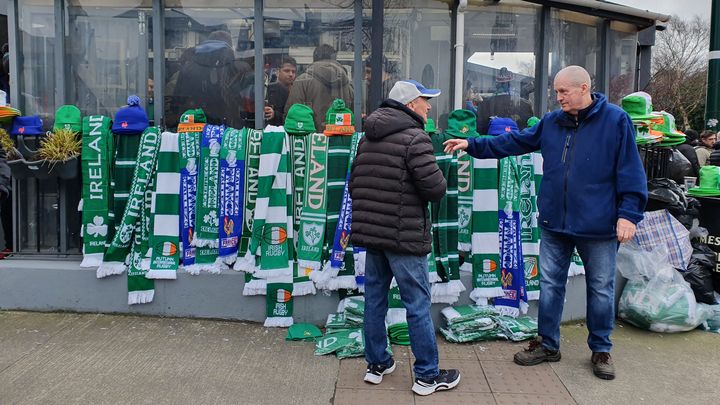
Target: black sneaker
(446, 380)
(535, 354)
(375, 372)
(603, 365)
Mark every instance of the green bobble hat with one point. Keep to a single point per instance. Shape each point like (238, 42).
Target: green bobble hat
(430, 127)
(303, 331)
(193, 116)
(68, 117)
(462, 124)
(532, 121)
(299, 120)
(638, 105)
(709, 182)
(339, 119)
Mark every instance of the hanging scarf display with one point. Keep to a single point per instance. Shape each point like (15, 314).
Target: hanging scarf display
(339, 261)
(190, 129)
(299, 160)
(232, 179)
(253, 285)
(165, 211)
(116, 254)
(576, 265)
(530, 167)
(514, 299)
(141, 290)
(337, 163)
(465, 204)
(276, 258)
(97, 155)
(311, 231)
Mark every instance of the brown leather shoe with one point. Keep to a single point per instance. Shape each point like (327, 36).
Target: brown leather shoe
(535, 354)
(603, 365)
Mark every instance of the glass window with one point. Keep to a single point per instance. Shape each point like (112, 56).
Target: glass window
(37, 58)
(209, 60)
(107, 50)
(575, 40)
(501, 41)
(623, 56)
(317, 38)
(417, 45)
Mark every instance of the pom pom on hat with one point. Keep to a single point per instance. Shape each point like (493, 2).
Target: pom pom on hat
(131, 119)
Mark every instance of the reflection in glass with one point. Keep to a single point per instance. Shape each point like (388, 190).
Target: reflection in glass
(416, 45)
(107, 54)
(209, 59)
(37, 58)
(574, 41)
(500, 47)
(318, 37)
(623, 43)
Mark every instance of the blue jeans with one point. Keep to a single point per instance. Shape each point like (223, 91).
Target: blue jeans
(411, 274)
(598, 257)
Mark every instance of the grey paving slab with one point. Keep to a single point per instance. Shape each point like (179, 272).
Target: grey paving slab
(680, 368)
(117, 359)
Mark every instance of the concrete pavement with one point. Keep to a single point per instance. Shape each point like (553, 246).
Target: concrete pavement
(66, 358)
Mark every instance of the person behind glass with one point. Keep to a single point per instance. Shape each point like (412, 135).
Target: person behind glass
(278, 92)
(688, 150)
(505, 102)
(322, 82)
(394, 176)
(705, 148)
(593, 194)
(389, 70)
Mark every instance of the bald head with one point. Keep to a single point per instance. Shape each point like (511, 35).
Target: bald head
(572, 87)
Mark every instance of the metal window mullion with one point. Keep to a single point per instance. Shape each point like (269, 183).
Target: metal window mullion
(158, 24)
(259, 29)
(14, 37)
(603, 75)
(357, 64)
(59, 59)
(377, 31)
(541, 63)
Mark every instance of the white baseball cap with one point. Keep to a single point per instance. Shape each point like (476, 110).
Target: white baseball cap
(405, 91)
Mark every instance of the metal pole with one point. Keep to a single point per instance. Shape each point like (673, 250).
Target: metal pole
(259, 66)
(376, 44)
(358, 65)
(712, 106)
(158, 24)
(60, 67)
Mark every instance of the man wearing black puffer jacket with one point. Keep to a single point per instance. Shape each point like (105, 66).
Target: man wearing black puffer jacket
(393, 178)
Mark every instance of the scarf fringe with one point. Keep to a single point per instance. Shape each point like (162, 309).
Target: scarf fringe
(444, 293)
(481, 301)
(274, 273)
(464, 247)
(467, 267)
(309, 264)
(533, 295)
(92, 260)
(524, 307)
(322, 277)
(145, 263)
(161, 275)
(211, 243)
(193, 269)
(110, 269)
(303, 288)
(341, 283)
(246, 263)
(256, 287)
(213, 268)
(575, 270)
(435, 278)
(443, 299)
(493, 292)
(396, 315)
(278, 322)
(228, 260)
(508, 311)
(140, 297)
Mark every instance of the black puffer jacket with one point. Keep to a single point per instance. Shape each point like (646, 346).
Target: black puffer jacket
(394, 176)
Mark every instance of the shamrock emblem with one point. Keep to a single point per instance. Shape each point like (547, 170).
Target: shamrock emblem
(211, 218)
(97, 227)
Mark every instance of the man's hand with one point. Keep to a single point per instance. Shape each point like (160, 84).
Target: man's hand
(625, 230)
(269, 112)
(452, 145)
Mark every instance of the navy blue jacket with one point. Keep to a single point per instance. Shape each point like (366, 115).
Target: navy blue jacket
(592, 173)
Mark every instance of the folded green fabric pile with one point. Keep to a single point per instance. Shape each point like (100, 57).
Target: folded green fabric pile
(338, 323)
(471, 335)
(398, 334)
(517, 329)
(349, 343)
(354, 310)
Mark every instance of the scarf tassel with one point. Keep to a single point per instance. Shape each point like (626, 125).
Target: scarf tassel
(255, 287)
(278, 322)
(92, 260)
(110, 269)
(140, 297)
(304, 288)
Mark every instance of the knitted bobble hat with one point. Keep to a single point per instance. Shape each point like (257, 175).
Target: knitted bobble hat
(131, 119)
(532, 121)
(499, 126)
(299, 120)
(339, 119)
(68, 117)
(430, 127)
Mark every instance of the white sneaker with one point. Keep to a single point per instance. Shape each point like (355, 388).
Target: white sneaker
(446, 380)
(375, 372)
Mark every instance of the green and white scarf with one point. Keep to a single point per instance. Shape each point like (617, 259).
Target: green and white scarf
(485, 245)
(165, 211)
(311, 233)
(126, 152)
(444, 215)
(465, 204)
(116, 255)
(232, 177)
(141, 290)
(299, 161)
(189, 134)
(96, 163)
(206, 207)
(253, 285)
(530, 168)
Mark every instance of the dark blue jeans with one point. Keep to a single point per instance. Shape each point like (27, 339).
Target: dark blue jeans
(598, 257)
(411, 274)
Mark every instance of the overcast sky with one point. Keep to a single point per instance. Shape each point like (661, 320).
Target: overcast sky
(682, 8)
